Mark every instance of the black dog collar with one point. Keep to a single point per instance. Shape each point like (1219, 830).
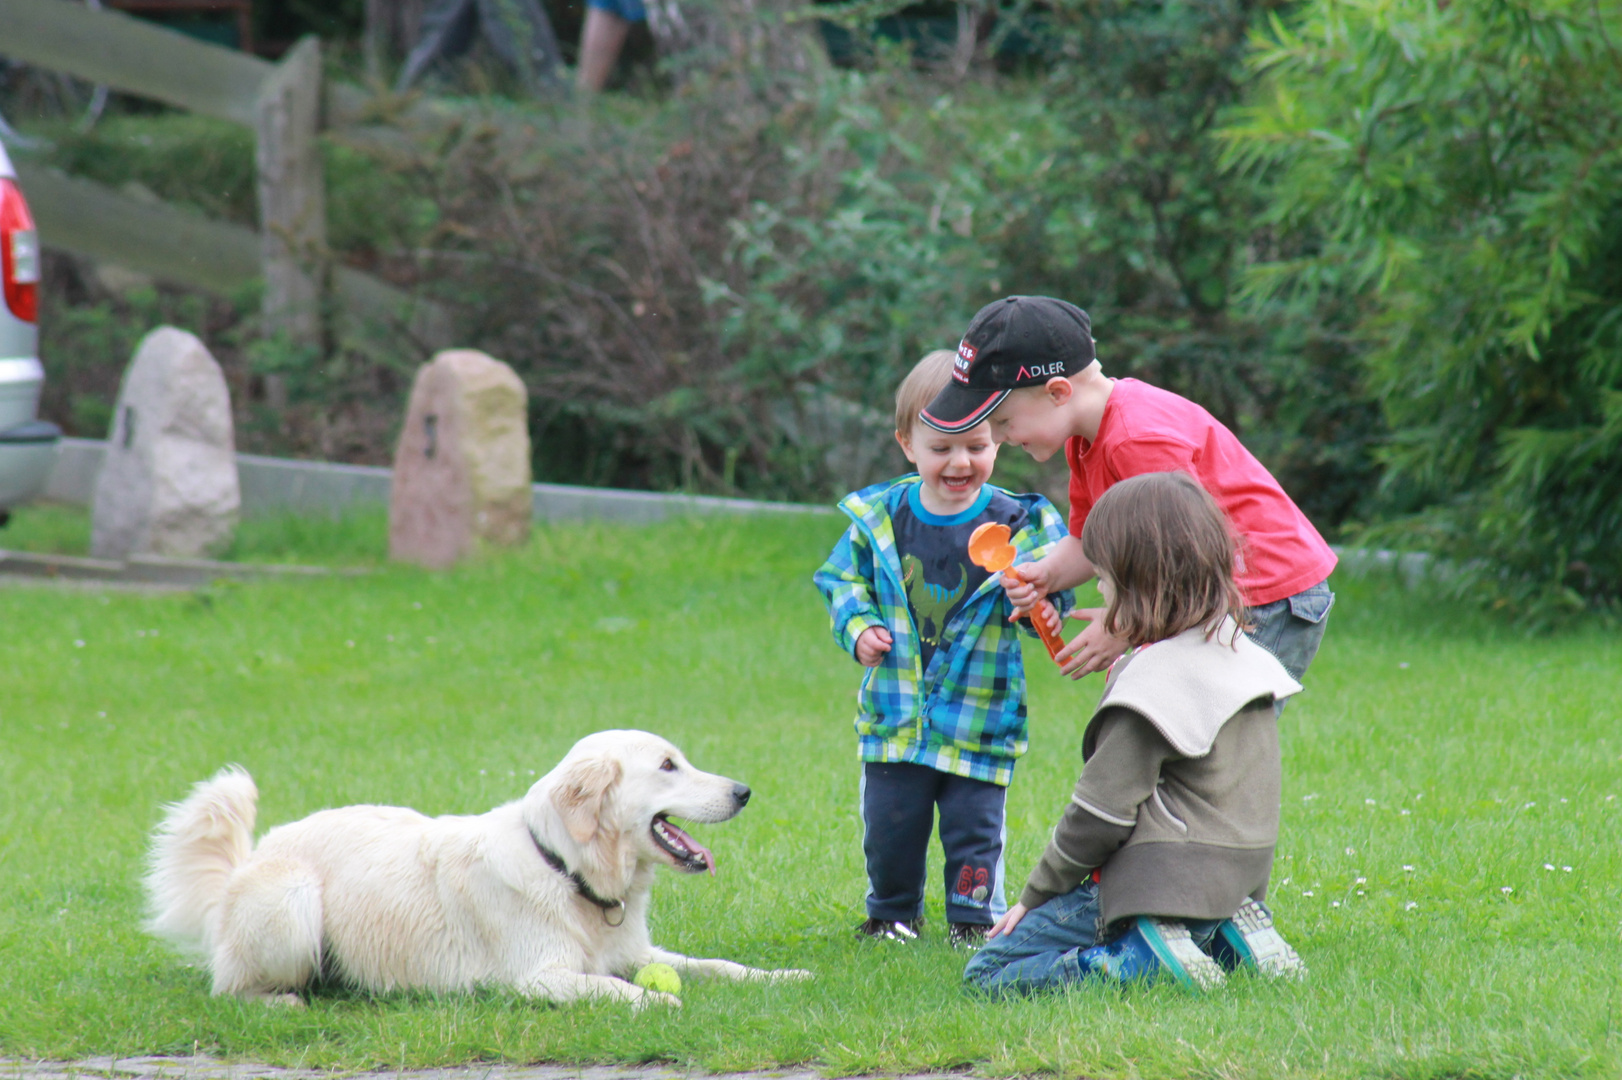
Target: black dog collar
(585, 891)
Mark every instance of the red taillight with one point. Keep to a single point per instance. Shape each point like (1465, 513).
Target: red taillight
(19, 253)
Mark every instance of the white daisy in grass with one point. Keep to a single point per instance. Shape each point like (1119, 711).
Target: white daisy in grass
(1410, 905)
(1407, 868)
(1506, 889)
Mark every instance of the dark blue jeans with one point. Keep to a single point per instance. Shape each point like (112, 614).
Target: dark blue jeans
(1043, 953)
(1293, 628)
(898, 812)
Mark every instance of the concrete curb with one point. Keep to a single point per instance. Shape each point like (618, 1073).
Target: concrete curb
(280, 485)
(201, 1068)
(148, 572)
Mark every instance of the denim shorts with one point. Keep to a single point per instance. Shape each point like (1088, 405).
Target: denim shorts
(629, 10)
(1293, 628)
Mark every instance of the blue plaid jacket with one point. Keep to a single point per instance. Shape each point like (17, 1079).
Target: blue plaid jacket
(966, 714)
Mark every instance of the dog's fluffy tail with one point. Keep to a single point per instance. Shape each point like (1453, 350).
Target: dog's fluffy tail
(201, 840)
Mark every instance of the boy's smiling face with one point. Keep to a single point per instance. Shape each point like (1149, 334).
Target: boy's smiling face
(1035, 418)
(953, 467)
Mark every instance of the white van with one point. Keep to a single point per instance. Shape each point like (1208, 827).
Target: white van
(27, 444)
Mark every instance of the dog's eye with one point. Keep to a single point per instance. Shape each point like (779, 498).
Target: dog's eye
(668, 766)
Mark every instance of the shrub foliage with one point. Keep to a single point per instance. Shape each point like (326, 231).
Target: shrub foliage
(1454, 173)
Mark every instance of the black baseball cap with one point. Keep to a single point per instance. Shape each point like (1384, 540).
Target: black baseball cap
(1014, 342)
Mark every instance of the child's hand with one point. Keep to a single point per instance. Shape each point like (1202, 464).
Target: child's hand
(1009, 920)
(1026, 583)
(871, 646)
(1094, 649)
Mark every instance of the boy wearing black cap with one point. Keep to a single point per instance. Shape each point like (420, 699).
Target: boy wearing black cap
(1027, 364)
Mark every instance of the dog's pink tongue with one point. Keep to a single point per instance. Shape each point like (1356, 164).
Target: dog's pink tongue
(704, 853)
(694, 846)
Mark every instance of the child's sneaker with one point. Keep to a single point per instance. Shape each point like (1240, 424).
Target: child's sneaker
(1153, 945)
(1249, 940)
(964, 935)
(890, 929)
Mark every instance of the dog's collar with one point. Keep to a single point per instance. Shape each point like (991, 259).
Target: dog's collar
(585, 891)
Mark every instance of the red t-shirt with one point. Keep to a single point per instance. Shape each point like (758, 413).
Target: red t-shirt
(1146, 429)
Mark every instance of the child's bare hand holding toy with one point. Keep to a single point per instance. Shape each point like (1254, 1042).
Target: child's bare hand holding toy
(871, 646)
(1027, 585)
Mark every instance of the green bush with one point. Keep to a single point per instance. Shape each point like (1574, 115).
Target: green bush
(1454, 174)
(717, 288)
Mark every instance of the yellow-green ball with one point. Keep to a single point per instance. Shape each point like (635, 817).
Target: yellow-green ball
(660, 978)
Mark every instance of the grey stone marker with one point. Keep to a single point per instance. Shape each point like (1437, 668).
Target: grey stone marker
(168, 485)
(462, 471)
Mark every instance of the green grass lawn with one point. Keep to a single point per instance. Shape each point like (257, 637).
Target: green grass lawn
(1448, 864)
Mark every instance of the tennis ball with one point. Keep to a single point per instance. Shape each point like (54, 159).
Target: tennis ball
(660, 978)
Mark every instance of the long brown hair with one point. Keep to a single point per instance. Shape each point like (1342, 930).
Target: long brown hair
(1168, 550)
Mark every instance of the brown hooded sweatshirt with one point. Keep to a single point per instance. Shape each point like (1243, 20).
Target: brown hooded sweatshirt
(1178, 801)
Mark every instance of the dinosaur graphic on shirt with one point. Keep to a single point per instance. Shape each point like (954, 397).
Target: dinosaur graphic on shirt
(930, 603)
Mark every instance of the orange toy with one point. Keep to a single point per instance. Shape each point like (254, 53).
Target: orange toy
(989, 548)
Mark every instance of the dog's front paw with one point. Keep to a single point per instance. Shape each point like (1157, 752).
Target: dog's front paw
(653, 997)
(790, 975)
(281, 1001)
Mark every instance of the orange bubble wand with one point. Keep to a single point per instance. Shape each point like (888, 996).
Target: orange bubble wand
(989, 549)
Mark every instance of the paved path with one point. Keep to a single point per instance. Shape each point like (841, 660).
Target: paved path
(201, 1068)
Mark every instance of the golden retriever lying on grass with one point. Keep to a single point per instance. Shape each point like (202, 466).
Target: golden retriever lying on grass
(547, 895)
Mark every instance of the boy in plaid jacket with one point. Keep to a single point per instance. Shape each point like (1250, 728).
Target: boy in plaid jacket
(941, 710)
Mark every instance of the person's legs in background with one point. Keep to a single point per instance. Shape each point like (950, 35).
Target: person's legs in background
(601, 39)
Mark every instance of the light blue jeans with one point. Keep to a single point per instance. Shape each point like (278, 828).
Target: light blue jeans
(1293, 628)
(1044, 951)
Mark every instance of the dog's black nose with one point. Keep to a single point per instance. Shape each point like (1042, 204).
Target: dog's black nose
(741, 793)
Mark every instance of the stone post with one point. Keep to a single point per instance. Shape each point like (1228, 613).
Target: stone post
(168, 485)
(462, 468)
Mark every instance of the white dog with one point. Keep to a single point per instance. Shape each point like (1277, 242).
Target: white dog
(547, 895)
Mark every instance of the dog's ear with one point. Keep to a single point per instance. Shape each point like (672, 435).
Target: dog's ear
(580, 796)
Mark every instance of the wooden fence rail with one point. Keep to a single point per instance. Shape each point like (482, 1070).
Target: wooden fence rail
(133, 56)
(283, 103)
(91, 219)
